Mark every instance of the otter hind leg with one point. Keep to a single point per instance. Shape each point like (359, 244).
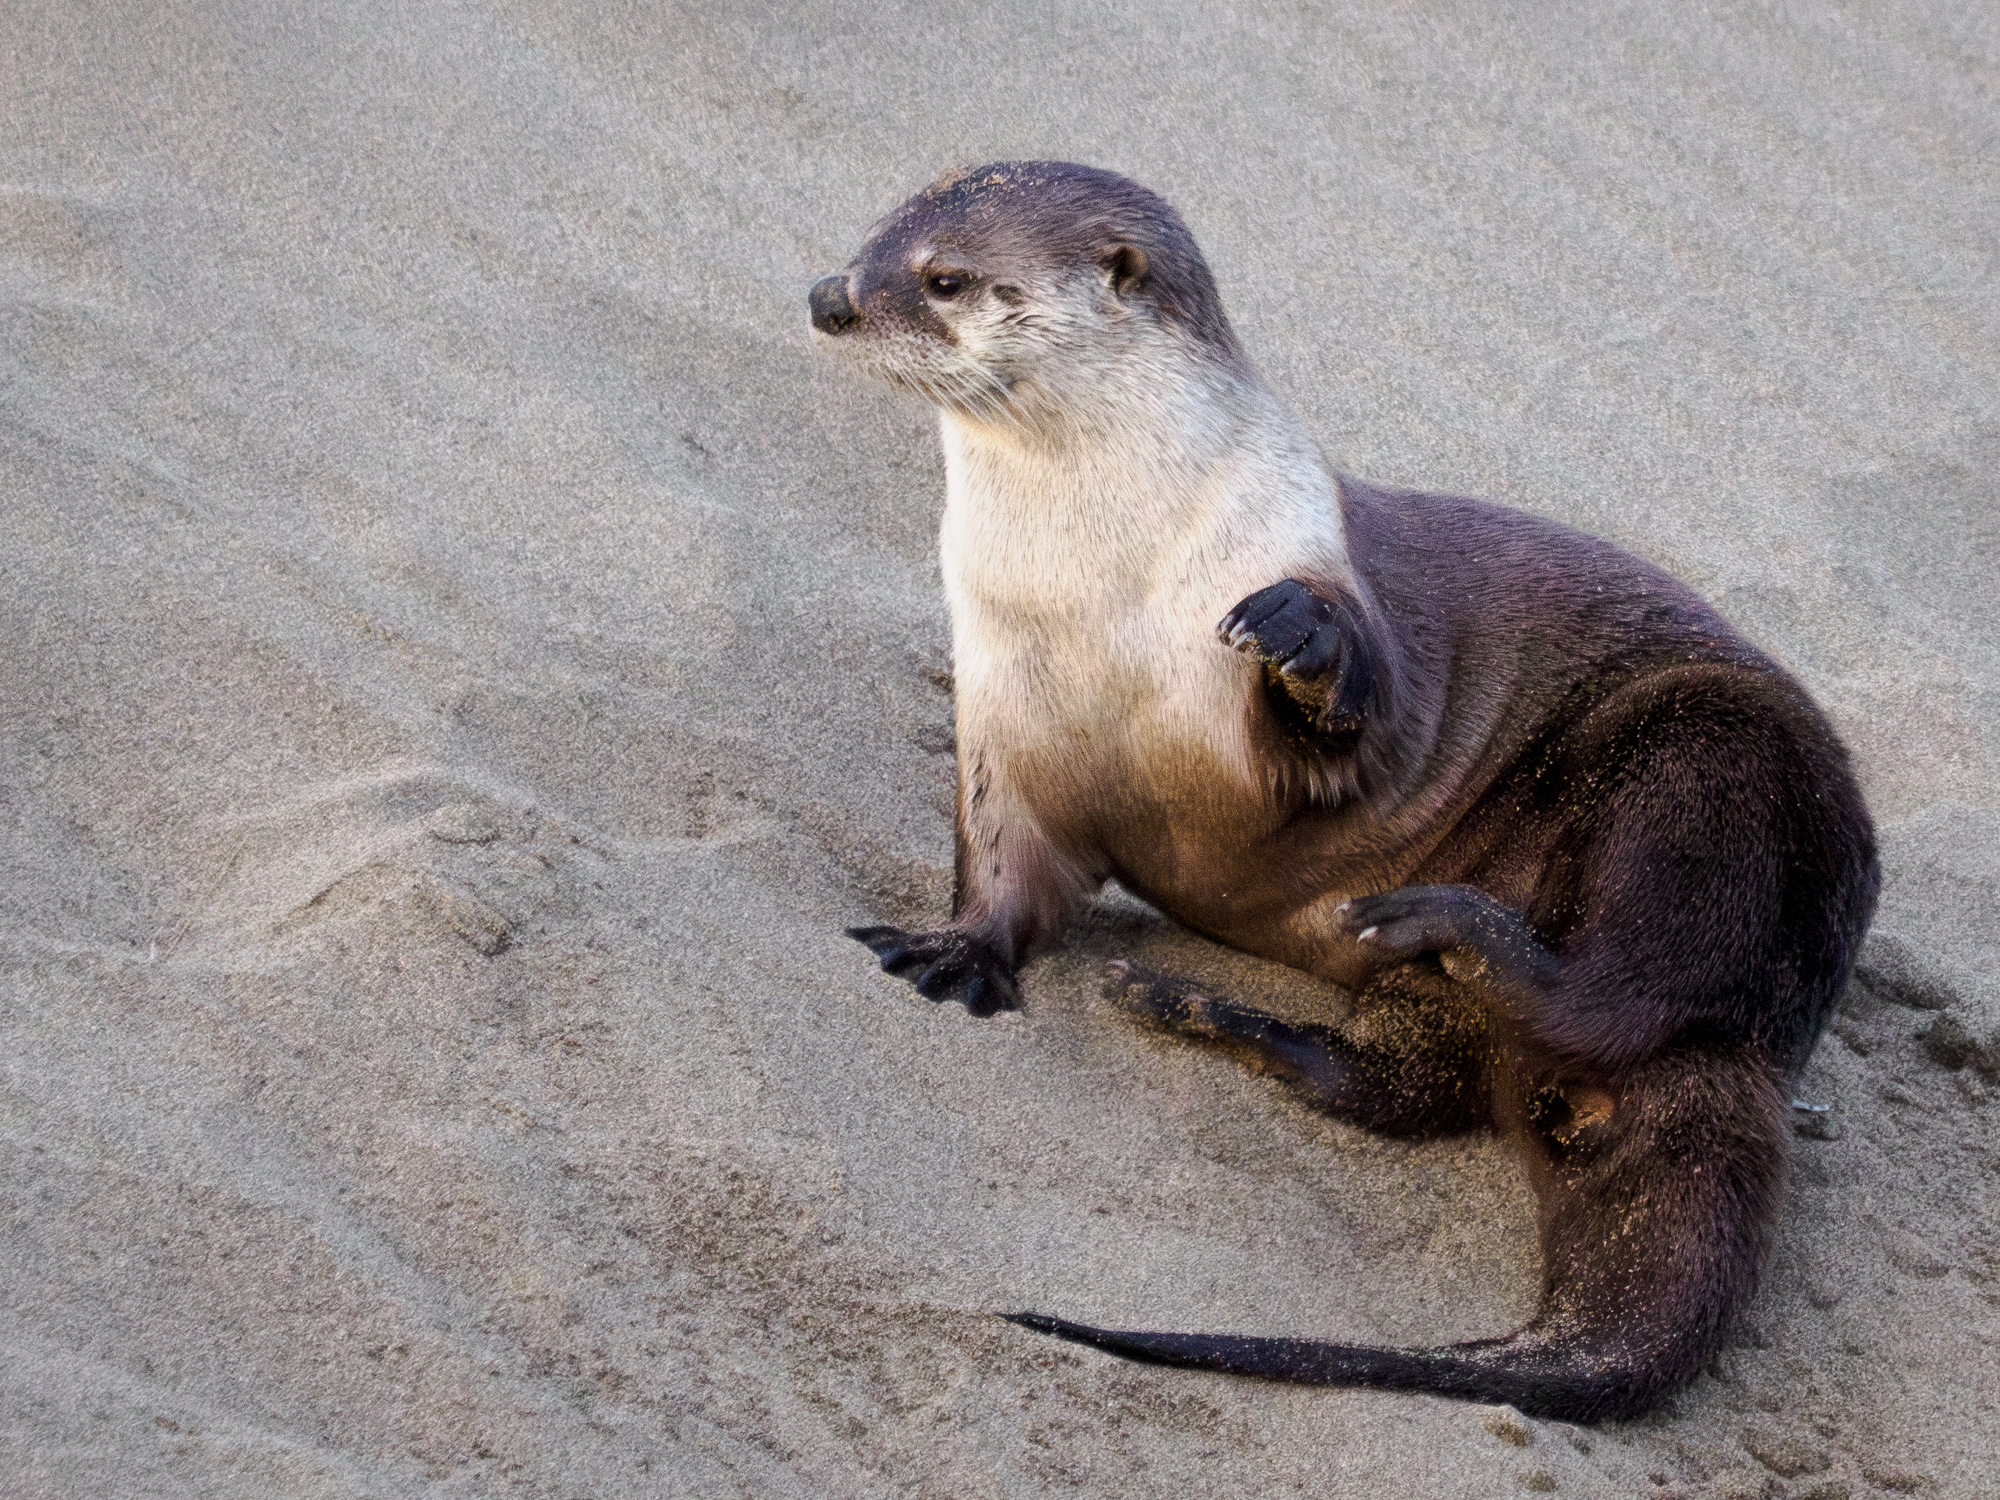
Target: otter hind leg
(1413, 1061)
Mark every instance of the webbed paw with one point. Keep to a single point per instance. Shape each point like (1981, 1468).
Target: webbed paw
(1477, 941)
(1171, 1004)
(1310, 645)
(1416, 918)
(945, 964)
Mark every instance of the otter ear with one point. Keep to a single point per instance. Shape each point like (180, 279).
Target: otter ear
(1126, 266)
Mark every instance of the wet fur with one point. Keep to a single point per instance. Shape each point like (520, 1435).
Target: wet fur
(1595, 867)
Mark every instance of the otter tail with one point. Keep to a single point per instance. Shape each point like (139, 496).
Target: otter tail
(1652, 1225)
(1542, 1377)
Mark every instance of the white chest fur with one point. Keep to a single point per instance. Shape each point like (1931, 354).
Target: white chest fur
(1085, 576)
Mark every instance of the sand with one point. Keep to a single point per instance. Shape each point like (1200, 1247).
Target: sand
(465, 657)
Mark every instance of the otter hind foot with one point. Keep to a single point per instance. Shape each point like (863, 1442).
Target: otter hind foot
(1311, 646)
(1415, 919)
(1170, 1004)
(945, 964)
(1308, 1057)
(1479, 941)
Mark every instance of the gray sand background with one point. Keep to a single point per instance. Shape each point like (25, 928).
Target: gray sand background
(465, 657)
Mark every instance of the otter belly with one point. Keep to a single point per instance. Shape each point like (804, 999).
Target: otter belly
(1162, 812)
(1138, 768)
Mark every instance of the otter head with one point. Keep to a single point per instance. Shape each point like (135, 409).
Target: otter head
(1023, 291)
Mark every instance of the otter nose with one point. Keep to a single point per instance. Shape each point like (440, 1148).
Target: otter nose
(831, 311)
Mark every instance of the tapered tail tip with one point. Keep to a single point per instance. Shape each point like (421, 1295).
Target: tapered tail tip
(1039, 1322)
(1076, 1333)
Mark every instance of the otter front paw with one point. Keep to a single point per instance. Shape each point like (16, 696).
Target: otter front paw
(945, 965)
(1310, 645)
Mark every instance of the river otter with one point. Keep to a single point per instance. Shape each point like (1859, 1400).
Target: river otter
(1594, 867)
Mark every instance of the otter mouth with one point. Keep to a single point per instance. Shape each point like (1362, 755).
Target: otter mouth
(957, 385)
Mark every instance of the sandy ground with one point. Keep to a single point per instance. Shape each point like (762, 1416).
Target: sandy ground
(465, 657)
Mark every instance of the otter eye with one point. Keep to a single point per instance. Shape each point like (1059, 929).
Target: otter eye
(944, 285)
